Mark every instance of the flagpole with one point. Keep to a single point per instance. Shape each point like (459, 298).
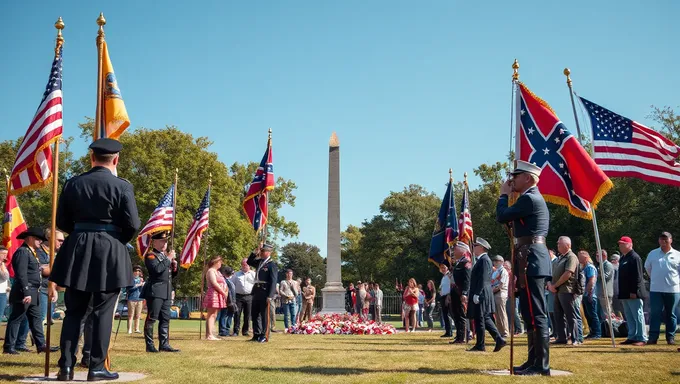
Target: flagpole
(205, 250)
(466, 191)
(596, 231)
(101, 21)
(266, 223)
(174, 210)
(59, 25)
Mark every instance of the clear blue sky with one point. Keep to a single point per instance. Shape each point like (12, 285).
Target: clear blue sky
(412, 88)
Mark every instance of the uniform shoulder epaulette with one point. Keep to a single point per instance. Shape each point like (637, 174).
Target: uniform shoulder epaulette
(125, 180)
(150, 256)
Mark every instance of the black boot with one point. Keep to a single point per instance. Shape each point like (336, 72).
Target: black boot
(101, 375)
(65, 374)
(542, 347)
(148, 336)
(532, 354)
(164, 337)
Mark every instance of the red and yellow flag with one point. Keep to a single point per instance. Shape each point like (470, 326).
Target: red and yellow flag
(13, 224)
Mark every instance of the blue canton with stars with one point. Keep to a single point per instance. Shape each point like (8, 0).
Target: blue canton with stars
(547, 149)
(607, 125)
(205, 204)
(54, 82)
(166, 201)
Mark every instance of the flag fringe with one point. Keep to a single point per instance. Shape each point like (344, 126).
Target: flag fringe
(540, 101)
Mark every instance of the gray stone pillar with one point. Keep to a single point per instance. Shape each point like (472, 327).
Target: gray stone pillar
(333, 292)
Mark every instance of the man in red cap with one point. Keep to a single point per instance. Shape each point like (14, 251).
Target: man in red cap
(631, 292)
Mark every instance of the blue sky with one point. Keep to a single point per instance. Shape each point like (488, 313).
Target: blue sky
(411, 88)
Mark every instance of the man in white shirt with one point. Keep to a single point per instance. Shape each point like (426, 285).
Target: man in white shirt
(499, 285)
(289, 291)
(663, 268)
(243, 283)
(445, 299)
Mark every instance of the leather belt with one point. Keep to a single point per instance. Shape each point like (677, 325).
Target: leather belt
(527, 240)
(96, 227)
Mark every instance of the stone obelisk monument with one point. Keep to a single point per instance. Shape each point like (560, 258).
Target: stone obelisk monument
(333, 292)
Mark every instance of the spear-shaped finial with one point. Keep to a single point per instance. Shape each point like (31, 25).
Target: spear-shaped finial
(101, 21)
(515, 71)
(567, 73)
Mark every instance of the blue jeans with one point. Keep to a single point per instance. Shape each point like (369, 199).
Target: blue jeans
(659, 302)
(43, 306)
(579, 320)
(635, 319)
(224, 319)
(289, 314)
(591, 309)
(3, 306)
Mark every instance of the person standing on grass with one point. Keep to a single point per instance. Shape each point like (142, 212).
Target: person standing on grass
(4, 279)
(410, 297)
(604, 297)
(226, 315)
(499, 286)
(215, 297)
(445, 298)
(264, 290)
(430, 303)
(590, 304)
(378, 299)
(360, 298)
(134, 302)
(631, 292)
(308, 294)
(243, 281)
(421, 305)
(462, 266)
(663, 268)
(289, 292)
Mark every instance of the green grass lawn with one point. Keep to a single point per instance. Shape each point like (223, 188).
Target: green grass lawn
(419, 357)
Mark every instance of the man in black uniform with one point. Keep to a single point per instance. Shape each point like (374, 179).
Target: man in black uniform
(158, 292)
(24, 294)
(266, 275)
(530, 219)
(483, 305)
(460, 287)
(99, 212)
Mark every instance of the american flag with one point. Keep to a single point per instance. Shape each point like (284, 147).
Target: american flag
(255, 203)
(33, 165)
(465, 220)
(198, 226)
(161, 220)
(626, 148)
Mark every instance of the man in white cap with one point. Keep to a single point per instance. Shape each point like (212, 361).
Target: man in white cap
(462, 266)
(483, 306)
(530, 218)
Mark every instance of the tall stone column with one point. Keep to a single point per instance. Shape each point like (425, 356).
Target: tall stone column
(333, 292)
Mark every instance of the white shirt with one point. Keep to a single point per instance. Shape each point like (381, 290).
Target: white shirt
(4, 277)
(445, 286)
(663, 270)
(243, 282)
(499, 278)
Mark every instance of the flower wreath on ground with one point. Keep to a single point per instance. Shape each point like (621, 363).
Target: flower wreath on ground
(341, 324)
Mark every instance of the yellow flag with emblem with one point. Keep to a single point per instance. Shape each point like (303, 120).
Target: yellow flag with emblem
(114, 116)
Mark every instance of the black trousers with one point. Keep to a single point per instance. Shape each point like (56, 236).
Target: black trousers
(446, 311)
(21, 311)
(86, 331)
(157, 309)
(533, 307)
(244, 305)
(458, 314)
(103, 306)
(260, 314)
(484, 322)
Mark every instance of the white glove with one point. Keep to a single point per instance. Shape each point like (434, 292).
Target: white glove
(475, 299)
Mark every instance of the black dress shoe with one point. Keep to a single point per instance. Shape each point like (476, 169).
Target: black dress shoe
(86, 363)
(65, 374)
(445, 335)
(151, 349)
(627, 341)
(23, 349)
(101, 375)
(245, 334)
(168, 348)
(254, 338)
(521, 367)
(476, 349)
(262, 339)
(10, 352)
(52, 349)
(533, 371)
(500, 344)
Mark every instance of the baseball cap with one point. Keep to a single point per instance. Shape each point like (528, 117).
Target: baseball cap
(625, 240)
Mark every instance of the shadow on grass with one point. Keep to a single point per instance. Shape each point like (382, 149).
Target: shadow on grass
(372, 350)
(641, 351)
(9, 364)
(10, 377)
(341, 371)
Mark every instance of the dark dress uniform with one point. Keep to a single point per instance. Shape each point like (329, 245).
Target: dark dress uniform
(27, 282)
(480, 312)
(99, 212)
(460, 287)
(266, 276)
(530, 218)
(157, 292)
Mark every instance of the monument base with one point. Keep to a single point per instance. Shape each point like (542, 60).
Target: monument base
(333, 298)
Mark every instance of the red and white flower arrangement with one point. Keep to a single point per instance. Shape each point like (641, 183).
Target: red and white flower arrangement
(337, 324)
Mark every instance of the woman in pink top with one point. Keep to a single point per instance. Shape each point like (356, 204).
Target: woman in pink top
(215, 297)
(411, 294)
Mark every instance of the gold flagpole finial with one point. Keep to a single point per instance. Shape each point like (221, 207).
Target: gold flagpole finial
(101, 21)
(515, 71)
(567, 73)
(59, 25)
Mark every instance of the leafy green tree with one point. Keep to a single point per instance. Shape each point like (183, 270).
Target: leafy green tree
(305, 261)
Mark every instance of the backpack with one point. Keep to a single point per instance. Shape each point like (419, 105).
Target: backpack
(580, 283)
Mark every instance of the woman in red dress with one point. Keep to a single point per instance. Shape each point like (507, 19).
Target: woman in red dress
(215, 297)
(410, 296)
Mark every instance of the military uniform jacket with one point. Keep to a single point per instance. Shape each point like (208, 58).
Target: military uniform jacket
(480, 285)
(460, 283)
(159, 283)
(529, 216)
(27, 276)
(95, 260)
(266, 272)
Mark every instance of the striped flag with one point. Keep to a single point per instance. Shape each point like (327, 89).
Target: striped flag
(626, 148)
(33, 165)
(465, 220)
(256, 201)
(193, 241)
(161, 220)
(13, 223)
